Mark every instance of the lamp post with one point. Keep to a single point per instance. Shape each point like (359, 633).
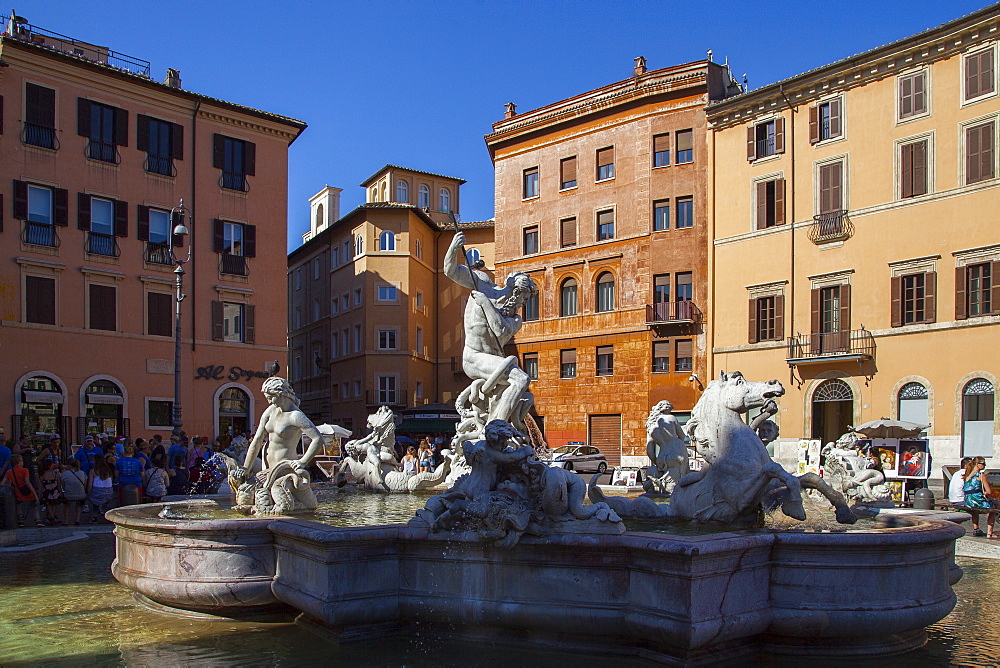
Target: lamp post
(178, 215)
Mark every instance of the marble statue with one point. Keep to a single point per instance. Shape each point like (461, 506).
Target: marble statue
(282, 485)
(856, 475)
(371, 460)
(666, 448)
(508, 492)
(739, 480)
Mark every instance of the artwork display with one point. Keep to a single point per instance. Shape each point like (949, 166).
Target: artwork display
(914, 461)
(897, 489)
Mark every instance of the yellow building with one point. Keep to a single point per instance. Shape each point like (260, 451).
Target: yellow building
(856, 250)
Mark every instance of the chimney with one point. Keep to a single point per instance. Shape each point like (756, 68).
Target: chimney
(640, 66)
(510, 110)
(173, 78)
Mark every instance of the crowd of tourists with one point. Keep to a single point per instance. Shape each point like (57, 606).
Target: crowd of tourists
(54, 486)
(422, 457)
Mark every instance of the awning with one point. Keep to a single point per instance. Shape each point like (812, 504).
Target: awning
(413, 426)
(36, 397)
(105, 398)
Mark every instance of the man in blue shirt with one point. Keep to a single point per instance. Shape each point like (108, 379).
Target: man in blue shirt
(4, 456)
(129, 470)
(176, 450)
(87, 453)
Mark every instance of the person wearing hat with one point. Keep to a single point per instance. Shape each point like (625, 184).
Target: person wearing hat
(87, 454)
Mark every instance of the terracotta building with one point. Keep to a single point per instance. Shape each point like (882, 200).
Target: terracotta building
(372, 319)
(601, 198)
(95, 154)
(856, 250)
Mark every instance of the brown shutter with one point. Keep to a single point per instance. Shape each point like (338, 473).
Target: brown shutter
(986, 160)
(219, 236)
(836, 118)
(142, 132)
(248, 323)
(121, 127)
(813, 125)
(761, 205)
(779, 134)
(60, 207)
(779, 317)
(930, 296)
(250, 158)
(250, 241)
(83, 117)
(919, 103)
(986, 83)
(995, 287)
(906, 170)
(845, 309)
(40, 105)
(779, 202)
(83, 211)
(568, 169)
(836, 186)
(121, 218)
(972, 161)
(218, 317)
(824, 189)
(19, 206)
(176, 141)
(606, 156)
(142, 223)
(661, 143)
(906, 96)
(752, 321)
(684, 139)
(218, 150)
(685, 349)
(752, 143)
(606, 436)
(961, 300)
(918, 156)
(569, 232)
(896, 301)
(971, 76)
(815, 304)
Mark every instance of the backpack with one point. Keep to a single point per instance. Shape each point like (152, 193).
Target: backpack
(154, 483)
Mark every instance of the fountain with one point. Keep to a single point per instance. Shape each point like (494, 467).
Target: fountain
(511, 553)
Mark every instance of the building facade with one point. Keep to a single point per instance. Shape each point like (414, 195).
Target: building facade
(372, 319)
(95, 154)
(855, 250)
(601, 199)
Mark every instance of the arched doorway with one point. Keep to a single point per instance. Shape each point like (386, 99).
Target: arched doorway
(977, 418)
(912, 403)
(41, 410)
(832, 410)
(234, 412)
(104, 406)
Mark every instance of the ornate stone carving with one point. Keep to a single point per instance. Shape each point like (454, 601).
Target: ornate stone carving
(855, 474)
(665, 447)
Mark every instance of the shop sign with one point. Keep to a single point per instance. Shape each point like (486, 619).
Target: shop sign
(218, 372)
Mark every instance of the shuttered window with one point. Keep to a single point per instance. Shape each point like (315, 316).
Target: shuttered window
(530, 183)
(531, 365)
(567, 173)
(831, 182)
(661, 356)
(770, 200)
(913, 169)
(979, 153)
(980, 289)
(606, 436)
(683, 355)
(606, 163)
(684, 140)
(568, 304)
(40, 300)
(767, 138)
(979, 76)
(163, 143)
(912, 95)
(605, 225)
(767, 318)
(567, 363)
(826, 121)
(158, 314)
(39, 116)
(237, 159)
(913, 298)
(103, 307)
(567, 232)
(105, 127)
(605, 360)
(531, 240)
(661, 150)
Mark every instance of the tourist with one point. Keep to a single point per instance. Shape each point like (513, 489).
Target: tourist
(425, 456)
(158, 449)
(101, 486)
(5, 453)
(200, 477)
(51, 452)
(74, 486)
(410, 461)
(129, 472)
(977, 492)
(178, 472)
(52, 494)
(142, 448)
(18, 477)
(197, 452)
(956, 496)
(156, 480)
(88, 454)
(178, 448)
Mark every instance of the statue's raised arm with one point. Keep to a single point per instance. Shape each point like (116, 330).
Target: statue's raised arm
(459, 273)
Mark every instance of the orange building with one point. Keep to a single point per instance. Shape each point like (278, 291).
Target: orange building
(601, 198)
(94, 156)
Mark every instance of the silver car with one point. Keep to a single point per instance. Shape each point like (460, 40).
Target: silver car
(578, 458)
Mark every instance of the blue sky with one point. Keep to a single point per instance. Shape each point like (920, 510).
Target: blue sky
(419, 83)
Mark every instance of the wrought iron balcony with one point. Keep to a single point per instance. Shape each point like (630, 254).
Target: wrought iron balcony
(104, 151)
(673, 312)
(385, 397)
(158, 164)
(820, 346)
(765, 147)
(831, 226)
(99, 243)
(40, 234)
(159, 253)
(235, 265)
(39, 135)
(234, 181)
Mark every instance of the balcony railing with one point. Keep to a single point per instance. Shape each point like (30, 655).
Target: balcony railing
(104, 151)
(234, 181)
(831, 226)
(39, 135)
(385, 397)
(670, 312)
(235, 265)
(99, 243)
(158, 164)
(159, 253)
(765, 147)
(858, 342)
(40, 234)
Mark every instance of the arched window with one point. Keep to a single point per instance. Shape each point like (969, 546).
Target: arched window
(530, 309)
(567, 298)
(373, 194)
(977, 418)
(41, 407)
(104, 408)
(912, 403)
(234, 411)
(444, 200)
(832, 410)
(419, 246)
(319, 216)
(402, 192)
(383, 198)
(605, 292)
(387, 241)
(359, 245)
(423, 197)
(473, 256)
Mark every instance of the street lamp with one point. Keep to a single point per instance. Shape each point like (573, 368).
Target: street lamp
(178, 215)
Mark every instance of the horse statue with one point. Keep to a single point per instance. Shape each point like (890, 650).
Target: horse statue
(739, 480)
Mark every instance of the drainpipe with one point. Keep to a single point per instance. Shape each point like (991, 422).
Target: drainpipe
(194, 226)
(790, 196)
(437, 333)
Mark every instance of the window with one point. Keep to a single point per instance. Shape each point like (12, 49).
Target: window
(319, 215)
(159, 314)
(359, 245)
(358, 341)
(420, 341)
(683, 356)
(345, 302)
(357, 296)
(347, 250)
(825, 121)
(357, 388)
(39, 117)
(316, 269)
(567, 173)
(661, 215)
(387, 293)
(334, 345)
(912, 95)
(767, 318)
(402, 192)
(387, 389)
(684, 140)
(830, 318)
(661, 289)
(386, 339)
(420, 300)
(913, 300)
(567, 298)
(103, 307)
(979, 77)
(684, 288)
(335, 306)
(831, 187)
(661, 150)
(567, 232)
(530, 361)
(233, 322)
(606, 163)
(105, 127)
(770, 203)
(567, 363)
(387, 241)
(104, 219)
(159, 413)
(42, 210)
(235, 239)
(153, 227)
(605, 292)
(423, 197)
(315, 310)
(529, 311)
(297, 322)
(345, 342)
(335, 259)
(913, 169)
(605, 224)
(40, 300)
(979, 288)
(605, 360)
(236, 158)
(39, 205)
(297, 278)
(420, 390)
(912, 403)
(473, 256)
(419, 248)
(163, 143)
(685, 212)
(767, 138)
(529, 183)
(661, 356)
(444, 200)
(980, 160)
(978, 401)
(531, 240)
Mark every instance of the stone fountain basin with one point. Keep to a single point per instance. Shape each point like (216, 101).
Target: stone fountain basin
(864, 592)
